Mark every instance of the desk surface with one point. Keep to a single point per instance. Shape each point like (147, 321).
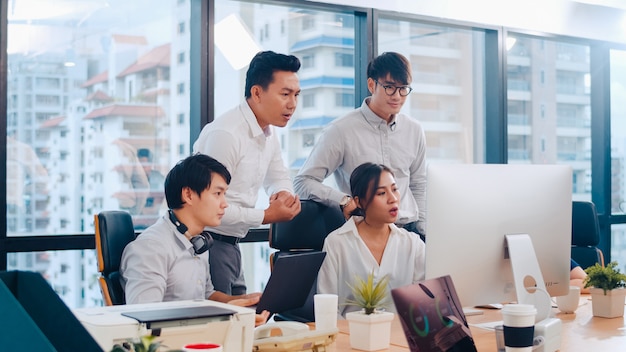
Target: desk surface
(581, 331)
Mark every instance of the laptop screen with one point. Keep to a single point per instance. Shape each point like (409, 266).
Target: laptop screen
(432, 317)
(291, 281)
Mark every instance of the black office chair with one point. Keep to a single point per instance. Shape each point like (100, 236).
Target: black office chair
(114, 230)
(585, 235)
(305, 232)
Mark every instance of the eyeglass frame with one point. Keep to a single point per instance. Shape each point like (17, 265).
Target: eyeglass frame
(395, 89)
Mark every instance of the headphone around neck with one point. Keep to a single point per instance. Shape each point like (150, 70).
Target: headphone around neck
(200, 243)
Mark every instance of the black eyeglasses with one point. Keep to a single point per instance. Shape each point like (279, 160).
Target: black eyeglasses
(391, 90)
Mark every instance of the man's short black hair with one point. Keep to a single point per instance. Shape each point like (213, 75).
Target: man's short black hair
(262, 68)
(393, 64)
(194, 172)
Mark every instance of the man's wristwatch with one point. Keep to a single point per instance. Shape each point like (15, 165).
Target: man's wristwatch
(344, 201)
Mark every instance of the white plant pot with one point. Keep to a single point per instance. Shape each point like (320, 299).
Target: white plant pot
(370, 332)
(610, 305)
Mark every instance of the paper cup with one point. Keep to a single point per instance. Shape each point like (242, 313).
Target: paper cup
(325, 311)
(202, 347)
(519, 327)
(569, 303)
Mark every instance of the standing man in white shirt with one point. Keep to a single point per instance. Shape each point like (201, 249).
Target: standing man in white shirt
(376, 132)
(242, 140)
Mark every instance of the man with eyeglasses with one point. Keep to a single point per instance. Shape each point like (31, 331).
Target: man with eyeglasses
(376, 132)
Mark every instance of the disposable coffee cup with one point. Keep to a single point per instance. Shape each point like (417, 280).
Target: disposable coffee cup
(519, 327)
(202, 347)
(325, 307)
(569, 303)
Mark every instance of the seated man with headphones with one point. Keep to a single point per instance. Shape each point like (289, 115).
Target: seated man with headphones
(169, 260)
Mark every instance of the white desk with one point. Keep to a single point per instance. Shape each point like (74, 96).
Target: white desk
(581, 332)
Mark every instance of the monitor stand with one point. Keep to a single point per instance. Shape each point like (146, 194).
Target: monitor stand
(529, 285)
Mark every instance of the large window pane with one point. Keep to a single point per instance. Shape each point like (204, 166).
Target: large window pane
(549, 118)
(618, 153)
(448, 91)
(324, 43)
(73, 275)
(98, 112)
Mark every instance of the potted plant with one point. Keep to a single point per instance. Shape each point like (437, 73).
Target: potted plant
(370, 327)
(144, 344)
(607, 290)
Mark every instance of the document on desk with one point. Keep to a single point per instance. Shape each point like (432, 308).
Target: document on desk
(490, 325)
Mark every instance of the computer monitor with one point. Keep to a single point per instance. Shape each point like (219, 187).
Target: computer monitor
(470, 209)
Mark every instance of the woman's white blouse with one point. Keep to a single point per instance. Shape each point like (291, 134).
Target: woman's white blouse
(347, 256)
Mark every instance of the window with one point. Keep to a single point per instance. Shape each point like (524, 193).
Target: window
(72, 141)
(618, 153)
(308, 61)
(180, 88)
(562, 134)
(308, 140)
(308, 100)
(181, 119)
(181, 58)
(344, 59)
(311, 43)
(344, 99)
(440, 56)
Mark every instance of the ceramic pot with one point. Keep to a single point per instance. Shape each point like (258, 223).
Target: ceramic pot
(369, 332)
(610, 305)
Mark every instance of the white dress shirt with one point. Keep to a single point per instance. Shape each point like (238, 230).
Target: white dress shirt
(253, 158)
(347, 256)
(160, 265)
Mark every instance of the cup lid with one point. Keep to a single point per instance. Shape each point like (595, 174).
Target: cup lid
(519, 309)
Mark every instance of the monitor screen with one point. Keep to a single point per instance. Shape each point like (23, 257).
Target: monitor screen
(470, 209)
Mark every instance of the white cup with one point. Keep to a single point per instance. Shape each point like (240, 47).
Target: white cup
(519, 327)
(325, 311)
(202, 347)
(569, 303)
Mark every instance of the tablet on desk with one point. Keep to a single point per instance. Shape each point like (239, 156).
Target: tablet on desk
(291, 281)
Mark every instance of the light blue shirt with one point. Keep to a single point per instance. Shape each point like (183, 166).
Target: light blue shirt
(160, 265)
(362, 136)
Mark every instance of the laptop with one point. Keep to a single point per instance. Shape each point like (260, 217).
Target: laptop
(432, 317)
(290, 282)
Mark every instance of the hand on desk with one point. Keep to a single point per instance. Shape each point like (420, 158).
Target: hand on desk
(246, 300)
(250, 300)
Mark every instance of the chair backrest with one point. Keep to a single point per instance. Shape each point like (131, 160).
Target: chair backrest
(305, 232)
(308, 229)
(585, 234)
(114, 230)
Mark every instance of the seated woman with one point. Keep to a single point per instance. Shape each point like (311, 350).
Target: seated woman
(369, 240)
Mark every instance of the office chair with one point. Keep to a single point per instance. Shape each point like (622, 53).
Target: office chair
(114, 230)
(305, 232)
(585, 235)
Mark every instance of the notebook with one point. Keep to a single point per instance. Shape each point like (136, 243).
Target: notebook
(432, 317)
(290, 282)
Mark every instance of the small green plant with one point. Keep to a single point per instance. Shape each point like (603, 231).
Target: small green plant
(606, 278)
(144, 344)
(368, 294)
